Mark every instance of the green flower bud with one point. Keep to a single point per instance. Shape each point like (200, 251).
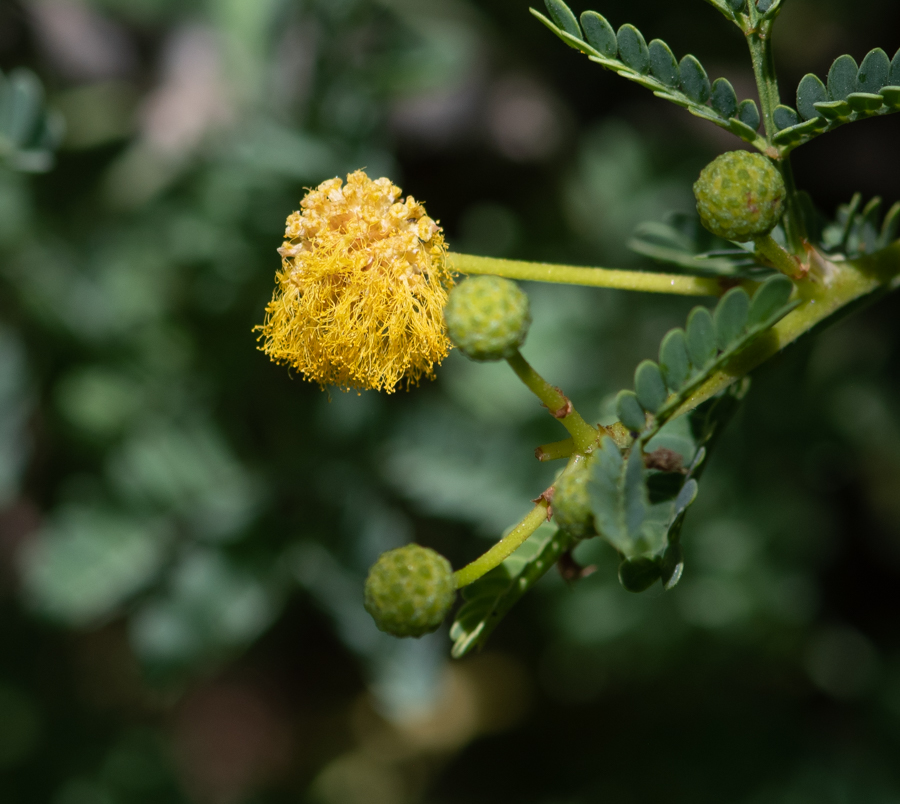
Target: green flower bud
(572, 502)
(487, 317)
(740, 196)
(409, 591)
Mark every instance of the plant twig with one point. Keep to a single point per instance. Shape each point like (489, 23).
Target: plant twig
(505, 547)
(556, 402)
(677, 284)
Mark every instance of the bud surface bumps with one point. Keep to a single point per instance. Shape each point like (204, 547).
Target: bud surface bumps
(487, 317)
(572, 503)
(740, 196)
(410, 591)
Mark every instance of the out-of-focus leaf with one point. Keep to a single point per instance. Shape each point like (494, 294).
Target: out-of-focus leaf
(28, 132)
(87, 562)
(209, 607)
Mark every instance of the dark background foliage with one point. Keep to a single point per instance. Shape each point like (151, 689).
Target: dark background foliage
(184, 527)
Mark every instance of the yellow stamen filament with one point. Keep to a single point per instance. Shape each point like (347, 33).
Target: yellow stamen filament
(360, 295)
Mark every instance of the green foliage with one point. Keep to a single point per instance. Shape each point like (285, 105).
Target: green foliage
(681, 240)
(688, 357)
(639, 500)
(859, 230)
(28, 132)
(490, 598)
(852, 93)
(190, 527)
(653, 66)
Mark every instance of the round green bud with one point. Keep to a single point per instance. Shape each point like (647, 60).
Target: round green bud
(410, 590)
(487, 317)
(572, 502)
(740, 196)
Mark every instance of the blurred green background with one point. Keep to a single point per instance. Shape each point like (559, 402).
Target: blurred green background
(185, 527)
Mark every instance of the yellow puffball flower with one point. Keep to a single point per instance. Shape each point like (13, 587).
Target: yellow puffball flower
(362, 287)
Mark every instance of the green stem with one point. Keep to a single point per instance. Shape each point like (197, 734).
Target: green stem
(647, 282)
(759, 40)
(785, 262)
(844, 284)
(555, 451)
(556, 402)
(504, 548)
(794, 226)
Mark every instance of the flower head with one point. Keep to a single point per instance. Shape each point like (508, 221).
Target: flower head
(362, 287)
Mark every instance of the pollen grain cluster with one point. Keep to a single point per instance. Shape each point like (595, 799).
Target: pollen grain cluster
(360, 294)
